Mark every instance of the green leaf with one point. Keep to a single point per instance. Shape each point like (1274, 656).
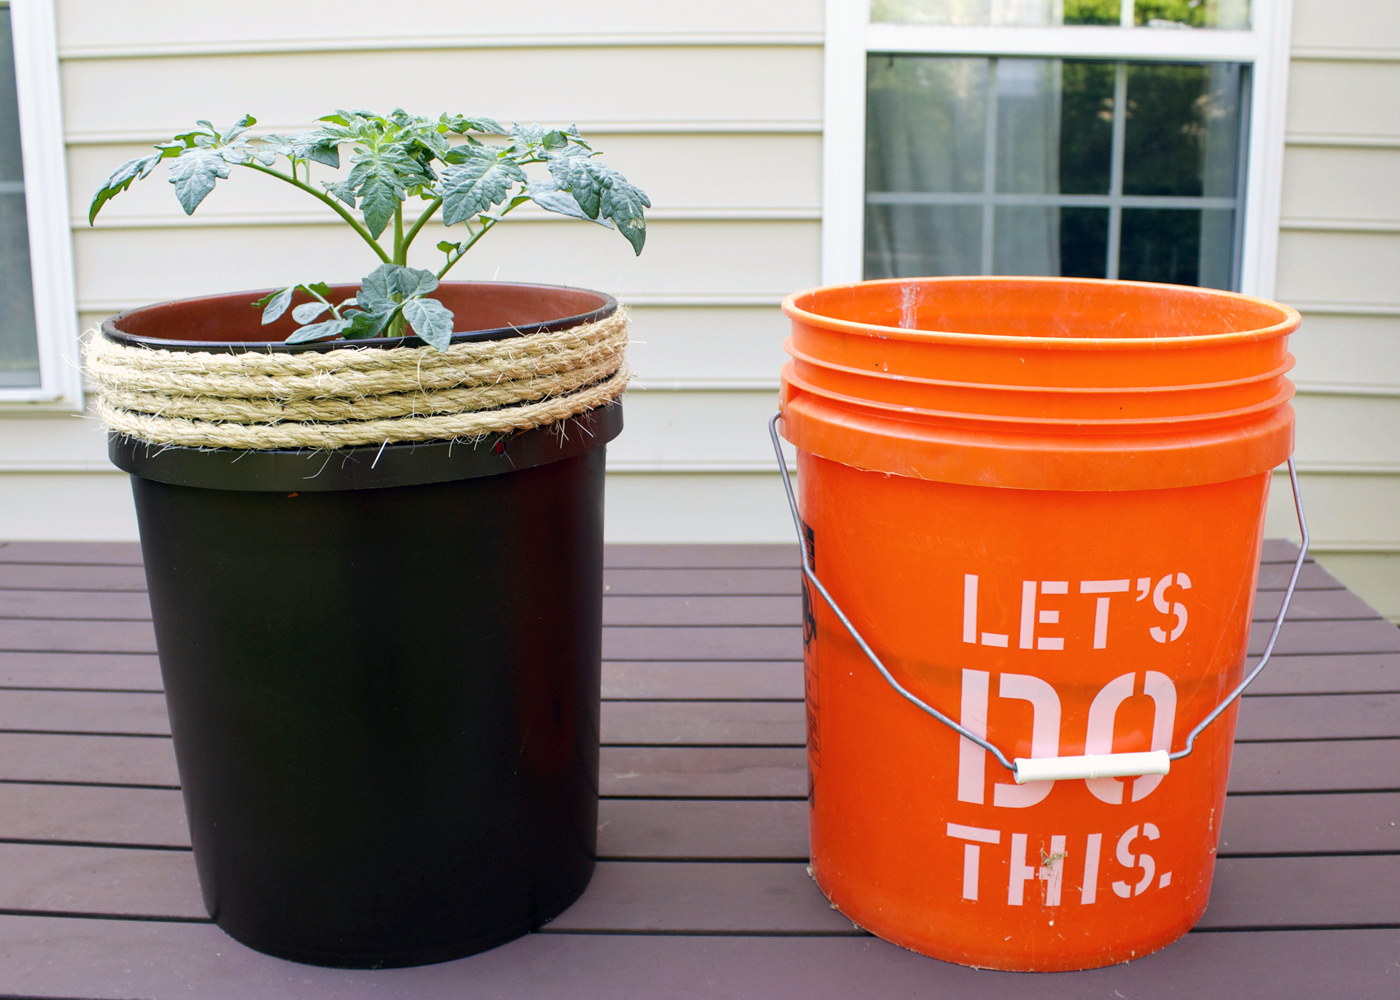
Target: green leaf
(194, 175)
(276, 304)
(308, 311)
(462, 124)
(319, 288)
(411, 282)
(547, 195)
(447, 246)
(602, 191)
(342, 190)
(377, 285)
(431, 320)
(315, 144)
(483, 181)
(319, 331)
(372, 321)
(135, 169)
(237, 128)
(381, 178)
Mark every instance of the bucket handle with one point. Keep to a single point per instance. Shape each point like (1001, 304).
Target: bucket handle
(1111, 765)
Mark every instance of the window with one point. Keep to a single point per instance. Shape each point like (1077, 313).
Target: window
(38, 326)
(1092, 138)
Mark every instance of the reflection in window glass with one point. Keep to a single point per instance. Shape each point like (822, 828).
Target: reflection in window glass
(1053, 167)
(1230, 14)
(19, 345)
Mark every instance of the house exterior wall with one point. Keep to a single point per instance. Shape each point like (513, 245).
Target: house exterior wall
(716, 110)
(1339, 264)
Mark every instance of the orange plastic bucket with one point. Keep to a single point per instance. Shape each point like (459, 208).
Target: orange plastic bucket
(1040, 501)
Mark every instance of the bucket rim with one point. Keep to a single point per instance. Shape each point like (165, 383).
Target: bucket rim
(1290, 321)
(1279, 372)
(1280, 398)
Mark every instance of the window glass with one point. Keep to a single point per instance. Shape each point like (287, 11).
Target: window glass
(1232, 14)
(19, 345)
(1053, 167)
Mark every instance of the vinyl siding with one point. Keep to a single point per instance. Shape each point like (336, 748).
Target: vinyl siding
(1339, 263)
(716, 110)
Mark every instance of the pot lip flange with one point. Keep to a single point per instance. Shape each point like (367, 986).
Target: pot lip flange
(368, 466)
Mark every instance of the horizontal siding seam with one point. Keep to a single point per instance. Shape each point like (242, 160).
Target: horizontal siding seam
(1339, 225)
(226, 221)
(718, 300)
(1341, 139)
(308, 46)
(1319, 53)
(1346, 308)
(593, 129)
(1355, 389)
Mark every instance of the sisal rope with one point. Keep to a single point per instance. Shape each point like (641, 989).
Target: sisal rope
(357, 396)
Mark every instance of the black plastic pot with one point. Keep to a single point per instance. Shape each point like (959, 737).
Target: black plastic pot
(382, 672)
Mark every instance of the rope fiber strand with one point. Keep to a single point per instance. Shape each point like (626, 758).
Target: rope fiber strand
(357, 396)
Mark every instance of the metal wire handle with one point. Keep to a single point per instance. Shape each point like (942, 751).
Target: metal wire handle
(1052, 768)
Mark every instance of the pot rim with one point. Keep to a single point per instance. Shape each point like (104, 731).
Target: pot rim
(607, 306)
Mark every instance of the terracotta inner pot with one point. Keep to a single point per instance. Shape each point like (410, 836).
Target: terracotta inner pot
(484, 310)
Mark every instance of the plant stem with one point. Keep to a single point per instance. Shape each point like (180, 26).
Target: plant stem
(485, 228)
(328, 200)
(400, 248)
(422, 221)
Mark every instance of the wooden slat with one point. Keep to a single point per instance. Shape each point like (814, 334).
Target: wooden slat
(117, 760)
(56, 956)
(690, 829)
(769, 610)
(1328, 674)
(701, 556)
(1374, 635)
(688, 643)
(94, 604)
(1320, 717)
(109, 881)
(1274, 576)
(1269, 717)
(31, 576)
(1278, 550)
(721, 772)
(774, 582)
(618, 610)
(1318, 824)
(21, 635)
(651, 723)
(1322, 766)
(759, 642)
(687, 582)
(86, 553)
(671, 897)
(781, 898)
(107, 671)
(1313, 604)
(703, 680)
(683, 828)
(127, 713)
(1305, 892)
(153, 817)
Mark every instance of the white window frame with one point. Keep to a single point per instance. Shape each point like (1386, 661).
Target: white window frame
(850, 37)
(46, 200)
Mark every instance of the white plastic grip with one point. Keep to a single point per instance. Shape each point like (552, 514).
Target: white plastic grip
(1094, 765)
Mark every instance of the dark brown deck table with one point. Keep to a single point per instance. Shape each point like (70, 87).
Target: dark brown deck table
(701, 889)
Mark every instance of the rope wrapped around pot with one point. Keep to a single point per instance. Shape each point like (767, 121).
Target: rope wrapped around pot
(357, 396)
